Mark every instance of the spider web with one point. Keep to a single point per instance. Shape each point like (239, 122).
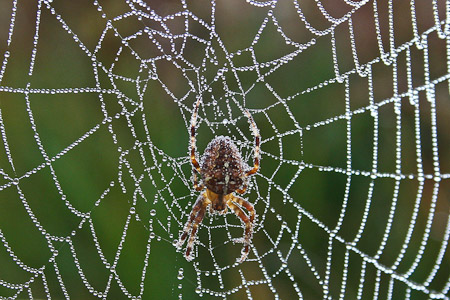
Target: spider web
(352, 102)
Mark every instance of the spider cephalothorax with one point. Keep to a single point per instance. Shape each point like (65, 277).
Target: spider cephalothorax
(223, 172)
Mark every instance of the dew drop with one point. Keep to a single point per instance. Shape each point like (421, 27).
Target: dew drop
(180, 274)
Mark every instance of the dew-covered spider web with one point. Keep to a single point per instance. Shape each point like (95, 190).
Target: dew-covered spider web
(352, 102)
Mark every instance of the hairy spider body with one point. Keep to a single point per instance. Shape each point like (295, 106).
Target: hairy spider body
(222, 168)
(223, 172)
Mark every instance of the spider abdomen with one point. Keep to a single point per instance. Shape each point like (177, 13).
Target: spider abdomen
(222, 168)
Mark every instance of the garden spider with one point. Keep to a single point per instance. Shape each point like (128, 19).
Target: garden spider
(222, 171)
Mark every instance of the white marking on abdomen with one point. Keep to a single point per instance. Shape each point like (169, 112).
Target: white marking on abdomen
(227, 179)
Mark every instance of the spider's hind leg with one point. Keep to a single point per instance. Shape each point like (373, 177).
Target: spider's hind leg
(197, 186)
(194, 161)
(257, 145)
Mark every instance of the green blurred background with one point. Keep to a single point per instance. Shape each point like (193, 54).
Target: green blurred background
(99, 131)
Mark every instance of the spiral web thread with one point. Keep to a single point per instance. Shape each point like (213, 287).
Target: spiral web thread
(278, 265)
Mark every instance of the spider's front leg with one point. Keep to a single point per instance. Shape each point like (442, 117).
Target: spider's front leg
(247, 221)
(242, 190)
(195, 218)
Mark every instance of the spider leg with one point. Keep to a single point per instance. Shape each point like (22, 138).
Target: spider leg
(195, 218)
(197, 221)
(257, 142)
(248, 206)
(197, 187)
(247, 221)
(193, 147)
(241, 191)
(187, 228)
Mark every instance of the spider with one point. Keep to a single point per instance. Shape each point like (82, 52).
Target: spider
(223, 172)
